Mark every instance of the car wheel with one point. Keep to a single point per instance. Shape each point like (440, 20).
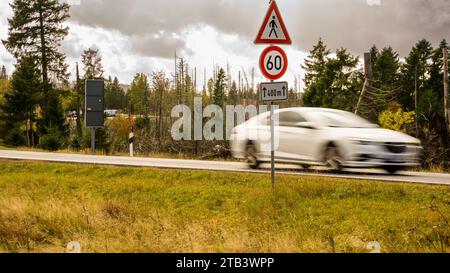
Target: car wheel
(392, 169)
(305, 167)
(333, 159)
(250, 155)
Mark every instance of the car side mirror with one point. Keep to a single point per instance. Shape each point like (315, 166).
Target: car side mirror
(306, 125)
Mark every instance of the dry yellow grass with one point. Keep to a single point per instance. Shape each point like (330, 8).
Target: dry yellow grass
(114, 209)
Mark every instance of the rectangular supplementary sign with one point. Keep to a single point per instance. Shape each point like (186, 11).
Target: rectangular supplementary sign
(95, 106)
(273, 91)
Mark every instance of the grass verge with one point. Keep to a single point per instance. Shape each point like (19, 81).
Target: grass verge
(119, 209)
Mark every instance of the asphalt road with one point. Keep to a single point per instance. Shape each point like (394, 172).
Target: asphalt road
(369, 174)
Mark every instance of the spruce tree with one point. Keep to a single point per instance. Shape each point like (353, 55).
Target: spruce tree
(4, 82)
(114, 95)
(315, 62)
(219, 89)
(416, 67)
(139, 94)
(108, 94)
(374, 53)
(54, 121)
(3, 74)
(20, 103)
(233, 94)
(386, 68)
(37, 29)
(92, 61)
(120, 102)
(436, 80)
(332, 82)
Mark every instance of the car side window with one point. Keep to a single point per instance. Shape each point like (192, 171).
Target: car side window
(291, 119)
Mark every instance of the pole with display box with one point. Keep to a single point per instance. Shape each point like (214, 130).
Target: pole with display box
(93, 140)
(94, 107)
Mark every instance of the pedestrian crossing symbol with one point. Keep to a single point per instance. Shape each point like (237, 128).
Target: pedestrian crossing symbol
(273, 29)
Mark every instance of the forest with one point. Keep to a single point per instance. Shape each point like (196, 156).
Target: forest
(40, 107)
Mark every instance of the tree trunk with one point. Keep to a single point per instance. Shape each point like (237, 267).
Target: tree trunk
(43, 57)
(77, 86)
(31, 128)
(160, 117)
(446, 104)
(26, 128)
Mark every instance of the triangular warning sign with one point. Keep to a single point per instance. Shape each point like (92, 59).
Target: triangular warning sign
(273, 29)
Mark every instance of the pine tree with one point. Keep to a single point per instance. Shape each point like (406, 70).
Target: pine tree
(386, 68)
(108, 94)
(416, 67)
(332, 82)
(219, 97)
(315, 63)
(114, 95)
(123, 95)
(92, 61)
(5, 84)
(3, 74)
(210, 89)
(424, 65)
(37, 29)
(139, 94)
(54, 121)
(21, 102)
(345, 81)
(233, 94)
(160, 89)
(374, 53)
(435, 82)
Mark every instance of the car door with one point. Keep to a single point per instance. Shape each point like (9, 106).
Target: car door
(295, 143)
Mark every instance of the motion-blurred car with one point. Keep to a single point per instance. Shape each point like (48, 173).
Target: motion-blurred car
(324, 137)
(111, 113)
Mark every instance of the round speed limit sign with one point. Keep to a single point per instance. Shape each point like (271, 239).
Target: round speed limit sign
(273, 62)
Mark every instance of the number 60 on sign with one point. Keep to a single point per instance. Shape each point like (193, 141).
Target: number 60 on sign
(273, 62)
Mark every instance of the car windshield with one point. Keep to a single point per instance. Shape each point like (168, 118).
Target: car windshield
(341, 119)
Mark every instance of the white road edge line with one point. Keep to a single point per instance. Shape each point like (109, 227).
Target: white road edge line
(214, 166)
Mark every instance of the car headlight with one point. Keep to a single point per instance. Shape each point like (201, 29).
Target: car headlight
(364, 142)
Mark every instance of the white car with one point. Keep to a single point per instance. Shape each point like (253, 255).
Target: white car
(324, 137)
(111, 113)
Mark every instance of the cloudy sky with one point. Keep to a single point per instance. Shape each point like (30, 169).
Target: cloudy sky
(142, 35)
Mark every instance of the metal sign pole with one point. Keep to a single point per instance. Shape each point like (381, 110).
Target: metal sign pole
(272, 144)
(273, 63)
(93, 140)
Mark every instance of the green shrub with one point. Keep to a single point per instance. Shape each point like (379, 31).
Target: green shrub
(394, 118)
(118, 130)
(51, 142)
(75, 144)
(15, 137)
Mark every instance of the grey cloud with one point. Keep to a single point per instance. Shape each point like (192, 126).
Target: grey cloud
(162, 45)
(350, 23)
(357, 26)
(71, 47)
